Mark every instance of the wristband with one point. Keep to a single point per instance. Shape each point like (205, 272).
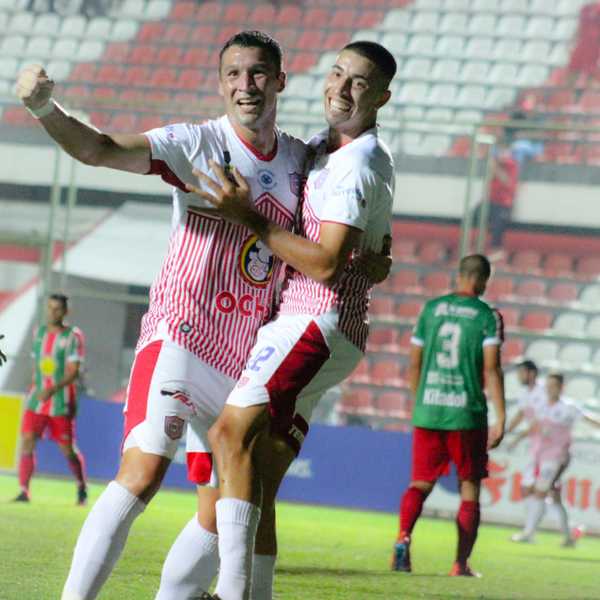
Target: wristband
(43, 111)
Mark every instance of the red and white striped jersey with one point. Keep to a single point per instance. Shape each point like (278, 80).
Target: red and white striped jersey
(215, 287)
(355, 186)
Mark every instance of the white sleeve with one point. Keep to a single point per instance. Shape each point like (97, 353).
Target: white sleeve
(350, 198)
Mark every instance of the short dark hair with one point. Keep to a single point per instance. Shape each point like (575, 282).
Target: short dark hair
(528, 365)
(475, 265)
(558, 376)
(376, 53)
(64, 300)
(255, 39)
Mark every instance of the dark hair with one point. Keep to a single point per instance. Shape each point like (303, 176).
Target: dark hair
(475, 265)
(376, 53)
(528, 365)
(64, 300)
(558, 376)
(255, 39)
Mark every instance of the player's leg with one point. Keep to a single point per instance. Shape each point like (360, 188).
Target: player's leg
(528, 495)
(62, 431)
(468, 449)
(555, 495)
(154, 421)
(429, 461)
(32, 429)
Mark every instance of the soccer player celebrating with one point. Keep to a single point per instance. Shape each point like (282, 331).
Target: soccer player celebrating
(320, 333)
(551, 436)
(213, 292)
(58, 351)
(454, 348)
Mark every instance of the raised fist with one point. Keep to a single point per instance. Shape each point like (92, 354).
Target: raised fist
(33, 87)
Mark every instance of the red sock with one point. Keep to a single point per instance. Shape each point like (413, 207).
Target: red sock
(26, 469)
(77, 466)
(410, 510)
(467, 521)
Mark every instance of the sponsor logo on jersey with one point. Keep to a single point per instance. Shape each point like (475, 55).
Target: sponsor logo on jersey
(47, 366)
(256, 262)
(247, 305)
(174, 427)
(182, 397)
(266, 179)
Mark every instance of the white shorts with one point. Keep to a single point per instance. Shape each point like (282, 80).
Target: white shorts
(544, 475)
(295, 360)
(171, 389)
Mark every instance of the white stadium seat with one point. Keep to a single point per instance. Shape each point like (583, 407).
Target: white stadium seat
(457, 5)
(413, 114)
(59, 70)
(574, 355)
(446, 70)
(559, 54)
(508, 50)
(516, 6)
(441, 119)
(541, 7)
(73, 26)
(471, 96)
(468, 116)
(158, 9)
(503, 74)
(413, 93)
(394, 42)
(38, 46)
(565, 29)
(570, 323)
(3, 21)
(511, 26)
(450, 45)
(326, 61)
(543, 352)
(480, 47)
(540, 27)
(90, 50)
(475, 72)
(455, 23)
(46, 24)
(499, 98)
(424, 22)
(580, 388)
(98, 28)
(593, 328)
(532, 75)
(489, 6)
(442, 94)
(422, 44)
(570, 7)
(482, 25)
(296, 129)
(429, 4)
(436, 145)
(133, 9)
(8, 68)
(411, 143)
(124, 30)
(65, 48)
(396, 20)
(300, 85)
(512, 386)
(369, 35)
(416, 68)
(535, 51)
(21, 23)
(12, 45)
(590, 296)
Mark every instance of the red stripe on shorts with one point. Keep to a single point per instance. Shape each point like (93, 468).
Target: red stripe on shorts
(296, 371)
(199, 466)
(139, 386)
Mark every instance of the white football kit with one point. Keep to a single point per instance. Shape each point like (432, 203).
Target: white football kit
(213, 292)
(320, 332)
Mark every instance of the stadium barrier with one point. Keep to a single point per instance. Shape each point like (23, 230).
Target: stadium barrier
(352, 467)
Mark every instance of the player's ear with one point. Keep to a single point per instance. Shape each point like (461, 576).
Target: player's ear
(282, 80)
(383, 99)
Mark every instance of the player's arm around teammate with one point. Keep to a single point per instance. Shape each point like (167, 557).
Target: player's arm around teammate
(125, 152)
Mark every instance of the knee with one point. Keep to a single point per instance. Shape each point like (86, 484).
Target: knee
(27, 443)
(423, 486)
(142, 478)
(225, 440)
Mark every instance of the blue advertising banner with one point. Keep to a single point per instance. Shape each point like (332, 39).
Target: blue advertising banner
(338, 466)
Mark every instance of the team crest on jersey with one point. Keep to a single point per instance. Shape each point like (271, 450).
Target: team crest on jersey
(256, 262)
(266, 179)
(47, 366)
(174, 427)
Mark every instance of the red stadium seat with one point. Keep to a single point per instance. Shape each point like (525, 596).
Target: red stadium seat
(203, 35)
(263, 14)
(405, 280)
(303, 61)
(148, 122)
(158, 99)
(137, 76)
(512, 350)
(592, 154)
(404, 341)
(499, 287)
(183, 11)
(287, 37)
(409, 309)
(342, 18)
(588, 266)
(357, 401)
(394, 404)
(526, 260)
(151, 32)
(143, 55)
(19, 117)
(433, 252)
(110, 74)
(195, 57)
(309, 39)
(177, 33)
(316, 18)
(560, 99)
(123, 122)
(362, 372)
(382, 306)
(83, 72)
(104, 94)
(563, 292)
(557, 265)
(163, 77)
(537, 320)
(336, 40)
(510, 316)
(235, 13)
(531, 288)
(209, 12)
(461, 147)
(169, 55)
(100, 119)
(289, 16)
(383, 339)
(367, 19)
(131, 97)
(590, 102)
(117, 52)
(190, 79)
(225, 33)
(403, 249)
(437, 283)
(386, 372)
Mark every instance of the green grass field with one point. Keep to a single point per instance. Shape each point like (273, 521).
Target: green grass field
(325, 554)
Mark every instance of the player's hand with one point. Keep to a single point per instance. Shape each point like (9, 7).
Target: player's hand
(3, 358)
(230, 198)
(495, 435)
(34, 87)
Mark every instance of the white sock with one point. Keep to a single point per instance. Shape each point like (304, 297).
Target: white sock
(563, 518)
(237, 522)
(535, 514)
(101, 541)
(191, 564)
(263, 573)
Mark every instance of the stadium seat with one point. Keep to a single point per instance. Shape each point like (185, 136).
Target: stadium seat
(450, 46)
(588, 266)
(203, 35)
(471, 96)
(413, 93)
(235, 13)
(508, 49)
(580, 388)
(343, 18)
(511, 316)
(13, 45)
(394, 404)
(558, 265)
(123, 122)
(195, 57)
(362, 372)
(383, 339)
(148, 122)
(405, 280)
(84, 72)
(336, 40)
(386, 372)
(357, 401)
(454, 23)
(150, 32)
(98, 28)
(117, 52)
(157, 10)
(590, 296)
(8, 68)
(531, 289)
(446, 70)
(526, 260)
(511, 26)
(574, 355)
(433, 252)
(512, 350)
(163, 77)
(21, 22)
(177, 33)
(544, 352)
(593, 328)
(382, 307)
(67, 48)
(137, 76)
(124, 30)
(422, 44)
(570, 324)
(72, 26)
(408, 310)
(46, 24)
(482, 24)
(90, 50)
(263, 14)
(189, 79)
(109, 74)
(289, 16)
(537, 320)
(403, 249)
(437, 283)
(442, 94)
(475, 72)
(563, 292)
(499, 287)
(480, 48)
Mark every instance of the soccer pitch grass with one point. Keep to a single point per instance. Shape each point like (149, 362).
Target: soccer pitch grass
(325, 554)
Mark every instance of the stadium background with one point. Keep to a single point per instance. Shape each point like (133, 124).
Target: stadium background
(464, 67)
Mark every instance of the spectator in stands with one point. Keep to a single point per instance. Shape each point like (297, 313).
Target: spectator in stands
(2, 355)
(586, 46)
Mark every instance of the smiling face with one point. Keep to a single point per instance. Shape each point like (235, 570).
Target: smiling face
(249, 83)
(354, 91)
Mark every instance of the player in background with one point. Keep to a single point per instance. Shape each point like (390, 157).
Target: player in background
(320, 332)
(550, 435)
(206, 303)
(454, 348)
(58, 351)
(3, 358)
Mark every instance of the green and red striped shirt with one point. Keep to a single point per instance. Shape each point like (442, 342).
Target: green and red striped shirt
(52, 350)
